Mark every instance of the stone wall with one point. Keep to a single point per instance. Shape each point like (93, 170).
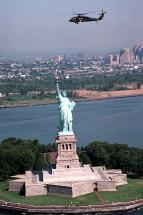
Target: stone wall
(72, 189)
(60, 190)
(28, 177)
(106, 185)
(35, 189)
(31, 178)
(68, 172)
(82, 188)
(120, 179)
(16, 186)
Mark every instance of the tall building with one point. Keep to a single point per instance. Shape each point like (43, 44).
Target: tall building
(126, 56)
(114, 59)
(138, 52)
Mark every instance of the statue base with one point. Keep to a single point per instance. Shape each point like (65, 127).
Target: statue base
(67, 153)
(62, 133)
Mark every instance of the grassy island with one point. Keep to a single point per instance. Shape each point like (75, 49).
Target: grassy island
(128, 192)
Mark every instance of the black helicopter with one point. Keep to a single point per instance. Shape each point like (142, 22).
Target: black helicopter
(82, 18)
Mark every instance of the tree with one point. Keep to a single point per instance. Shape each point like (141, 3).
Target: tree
(97, 154)
(139, 85)
(23, 91)
(84, 158)
(41, 162)
(17, 156)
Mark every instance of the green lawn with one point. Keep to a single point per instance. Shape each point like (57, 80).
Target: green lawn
(132, 191)
(127, 192)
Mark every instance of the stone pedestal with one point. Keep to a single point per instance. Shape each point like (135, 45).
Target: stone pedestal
(67, 154)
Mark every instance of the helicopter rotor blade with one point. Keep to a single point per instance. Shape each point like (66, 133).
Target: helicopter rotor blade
(97, 11)
(76, 13)
(80, 14)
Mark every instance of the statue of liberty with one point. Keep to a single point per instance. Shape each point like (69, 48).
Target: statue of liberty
(65, 109)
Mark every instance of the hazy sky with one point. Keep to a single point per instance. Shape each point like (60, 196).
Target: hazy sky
(34, 26)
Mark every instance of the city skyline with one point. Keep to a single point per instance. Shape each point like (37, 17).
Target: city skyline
(39, 26)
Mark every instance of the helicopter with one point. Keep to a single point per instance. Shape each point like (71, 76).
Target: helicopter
(82, 18)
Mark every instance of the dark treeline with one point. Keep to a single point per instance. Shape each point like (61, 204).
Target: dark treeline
(116, 156)
(17, 156)
(97, 82)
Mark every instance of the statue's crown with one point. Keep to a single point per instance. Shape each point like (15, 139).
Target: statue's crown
(64, 93)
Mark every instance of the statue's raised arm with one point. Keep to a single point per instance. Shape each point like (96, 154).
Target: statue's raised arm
(65, 109)
(57, 85)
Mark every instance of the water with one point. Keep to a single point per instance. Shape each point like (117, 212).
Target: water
(115, 120)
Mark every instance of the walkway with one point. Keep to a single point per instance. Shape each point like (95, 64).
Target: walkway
(100, 198)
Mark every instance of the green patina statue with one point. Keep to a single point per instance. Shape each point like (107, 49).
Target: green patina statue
(65, 110)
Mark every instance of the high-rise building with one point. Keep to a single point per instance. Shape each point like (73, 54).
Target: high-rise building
(138, 52)
(114, 59)
(126, 56)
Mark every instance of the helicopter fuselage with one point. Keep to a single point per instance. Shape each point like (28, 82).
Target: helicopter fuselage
(78, 19)
(82, 18)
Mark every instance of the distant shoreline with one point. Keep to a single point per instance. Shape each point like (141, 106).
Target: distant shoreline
(53, 101)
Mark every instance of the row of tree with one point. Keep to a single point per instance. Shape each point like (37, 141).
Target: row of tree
(116, 156)
(18, 155)
(101, 82)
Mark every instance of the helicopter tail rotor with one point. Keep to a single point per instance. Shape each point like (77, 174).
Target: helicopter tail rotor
(102, 12)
